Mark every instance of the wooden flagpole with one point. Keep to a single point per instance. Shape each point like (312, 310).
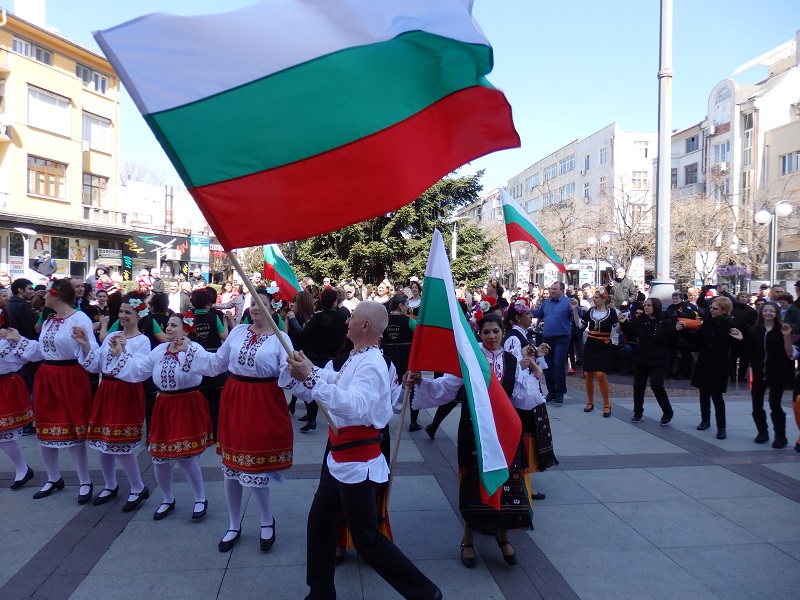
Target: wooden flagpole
(272, 324)
(406, 396)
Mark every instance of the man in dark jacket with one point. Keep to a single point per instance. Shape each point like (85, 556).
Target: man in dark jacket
(44, 264)
(621, 289)
(20, 314)
(744, 317)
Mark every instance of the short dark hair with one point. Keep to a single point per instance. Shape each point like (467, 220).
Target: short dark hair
(159, 302)
(19, 285)
(200, 298)
(327, 299)
(397, 301)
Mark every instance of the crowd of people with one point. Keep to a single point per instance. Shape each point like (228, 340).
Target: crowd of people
(186, 367)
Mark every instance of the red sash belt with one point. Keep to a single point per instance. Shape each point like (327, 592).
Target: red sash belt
(357, 443)
(599, 335)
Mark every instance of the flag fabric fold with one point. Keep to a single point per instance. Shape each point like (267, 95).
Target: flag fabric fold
(520, 228)
(335, 111)
(444, 341)
(278, 269)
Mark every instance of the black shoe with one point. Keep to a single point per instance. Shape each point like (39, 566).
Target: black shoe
(430, 431)
(101, 499)
(666, 419)
(467, 561)
(559, 399)
(780, 443)
(303, 418)
(438, 595)
(84, 498)
(140, 497)
(228, 546)
(265, 545)
(292, 406)
(414, 427)
(721, 434)
(588, 408)
(761, 438)
(636, 418)
(310, 426)
(606, 412)
(54, 485)
(199, 514)
(511, 559)
(19, 483)
(537, 496)
(797, 447)
(703, 426)
(157, 516)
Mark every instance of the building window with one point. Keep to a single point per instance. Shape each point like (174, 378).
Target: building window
(586, 190)
(790, 163)
(47, 178)
(747, 186)
(95, 189)
(747, 140)
(550, 172)
(34, 51)
(48, 111)
(673, 178)
(533, 205)
(97, 132)
(550, 199)
(532, 181)
(721, 152)
(92, 79)
(585, 163)
(601, 157)
(640, 180)
(601, 188)
(692, 143)
(565, 165)
(566, 192)
(690, 174)
(641, 148)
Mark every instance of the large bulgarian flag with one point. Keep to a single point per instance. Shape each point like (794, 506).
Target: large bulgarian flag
(444, 341)
(520, 228)
(329, 111)
(278, 269)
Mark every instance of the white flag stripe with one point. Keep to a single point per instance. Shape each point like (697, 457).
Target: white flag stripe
(173, 60)
(438, 266)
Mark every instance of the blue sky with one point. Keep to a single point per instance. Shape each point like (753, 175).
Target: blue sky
(567, 68)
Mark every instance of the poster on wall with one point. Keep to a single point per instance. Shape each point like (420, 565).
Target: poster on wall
(16, 267)
(78, 250)
(39, 244)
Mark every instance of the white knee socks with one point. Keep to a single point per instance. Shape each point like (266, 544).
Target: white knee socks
(233, 496)
(50, 459)
(81, 460)
(108, 465)
(191, 470)
(163, 473)
(131, 467)
(262, 497)
(14, 452)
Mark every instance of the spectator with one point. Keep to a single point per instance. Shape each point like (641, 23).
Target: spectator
(44, 264)
(177, 300)
(100, 280)
(350, 300)
(744, 317)
(621, 289)
(197, 280)
(557, 316)
(20, 314)
(5, 280)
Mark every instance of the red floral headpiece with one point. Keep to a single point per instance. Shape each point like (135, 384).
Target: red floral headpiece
(188, 321)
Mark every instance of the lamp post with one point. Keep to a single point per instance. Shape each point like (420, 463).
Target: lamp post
(763, 217)
(454, 243)
(26, 234)
(595, 243)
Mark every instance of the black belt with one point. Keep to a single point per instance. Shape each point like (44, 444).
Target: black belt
(60, 363)
(182, 391)
(7, 375)
(251, 379)
(356, 444)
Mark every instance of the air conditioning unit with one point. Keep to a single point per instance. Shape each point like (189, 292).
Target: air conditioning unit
(723, 166)
(172, 254)
(787, 266)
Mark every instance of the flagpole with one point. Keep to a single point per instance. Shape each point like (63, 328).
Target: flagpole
(406, 396)
(272, 324)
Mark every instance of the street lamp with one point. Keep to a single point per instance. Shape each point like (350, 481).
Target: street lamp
(454, 242)
(762, 217)
(26, 234)
(595, 243)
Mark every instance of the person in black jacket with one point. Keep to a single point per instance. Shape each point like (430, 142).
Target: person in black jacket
(744, 317)
(652, 357)
(713, 340)
(769, 341)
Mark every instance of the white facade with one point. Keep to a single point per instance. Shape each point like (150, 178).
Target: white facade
(148, 210)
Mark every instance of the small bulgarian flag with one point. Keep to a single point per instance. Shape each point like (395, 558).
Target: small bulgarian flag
(278, 269)
(443, 341)
(520, 228)
(310, 106)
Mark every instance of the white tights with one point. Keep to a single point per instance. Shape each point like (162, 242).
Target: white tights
(233, 496)
(79, 458)
(14, 452)
(191, 470)
(108, 464)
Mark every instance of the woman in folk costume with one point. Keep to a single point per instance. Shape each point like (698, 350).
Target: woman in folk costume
(62, 390)
(598, 351)
(255, 429)
(536, 435)
(15, 400)
(520, 381)
(180, 428)
(117, 417)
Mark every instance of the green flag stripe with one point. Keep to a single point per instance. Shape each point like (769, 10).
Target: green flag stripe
(512, 216)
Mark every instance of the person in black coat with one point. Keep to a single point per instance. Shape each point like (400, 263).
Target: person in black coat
(770, 343)
(744, 317)
(652, 356)
(713, 340)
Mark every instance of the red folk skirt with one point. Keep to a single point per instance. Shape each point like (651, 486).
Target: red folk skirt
(117, 418)
(15, 406)
(255, 430)
(63, 400)
(180, 426)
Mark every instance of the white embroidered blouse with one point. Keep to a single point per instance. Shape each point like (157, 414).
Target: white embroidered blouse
(13, 355)
(103, 360)
(170, 370)
(55, 340)
(244, 353)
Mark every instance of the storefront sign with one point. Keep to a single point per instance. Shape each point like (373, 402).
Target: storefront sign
(199, 249)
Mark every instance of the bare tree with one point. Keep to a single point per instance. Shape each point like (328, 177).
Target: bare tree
(134, 170)
(251, 259)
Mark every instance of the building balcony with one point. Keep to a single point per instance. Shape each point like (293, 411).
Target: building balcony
(687, 191)
(105, 216)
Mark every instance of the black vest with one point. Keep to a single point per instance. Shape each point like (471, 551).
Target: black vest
(205, 327)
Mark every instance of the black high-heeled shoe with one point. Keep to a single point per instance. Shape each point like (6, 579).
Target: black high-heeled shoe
(84, 498)
(101, 499)
(19, 483)
(54, 485)
(265, 545)
(511, 559)
(228, 546)
(140, 497)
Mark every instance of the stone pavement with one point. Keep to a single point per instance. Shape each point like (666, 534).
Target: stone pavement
(634, 511)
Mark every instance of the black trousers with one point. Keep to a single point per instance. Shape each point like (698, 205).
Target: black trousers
(776, 387)
(357, 500)
(706, 397)
(656, 375)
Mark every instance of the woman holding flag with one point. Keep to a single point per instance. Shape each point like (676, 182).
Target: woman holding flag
(519, 379)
